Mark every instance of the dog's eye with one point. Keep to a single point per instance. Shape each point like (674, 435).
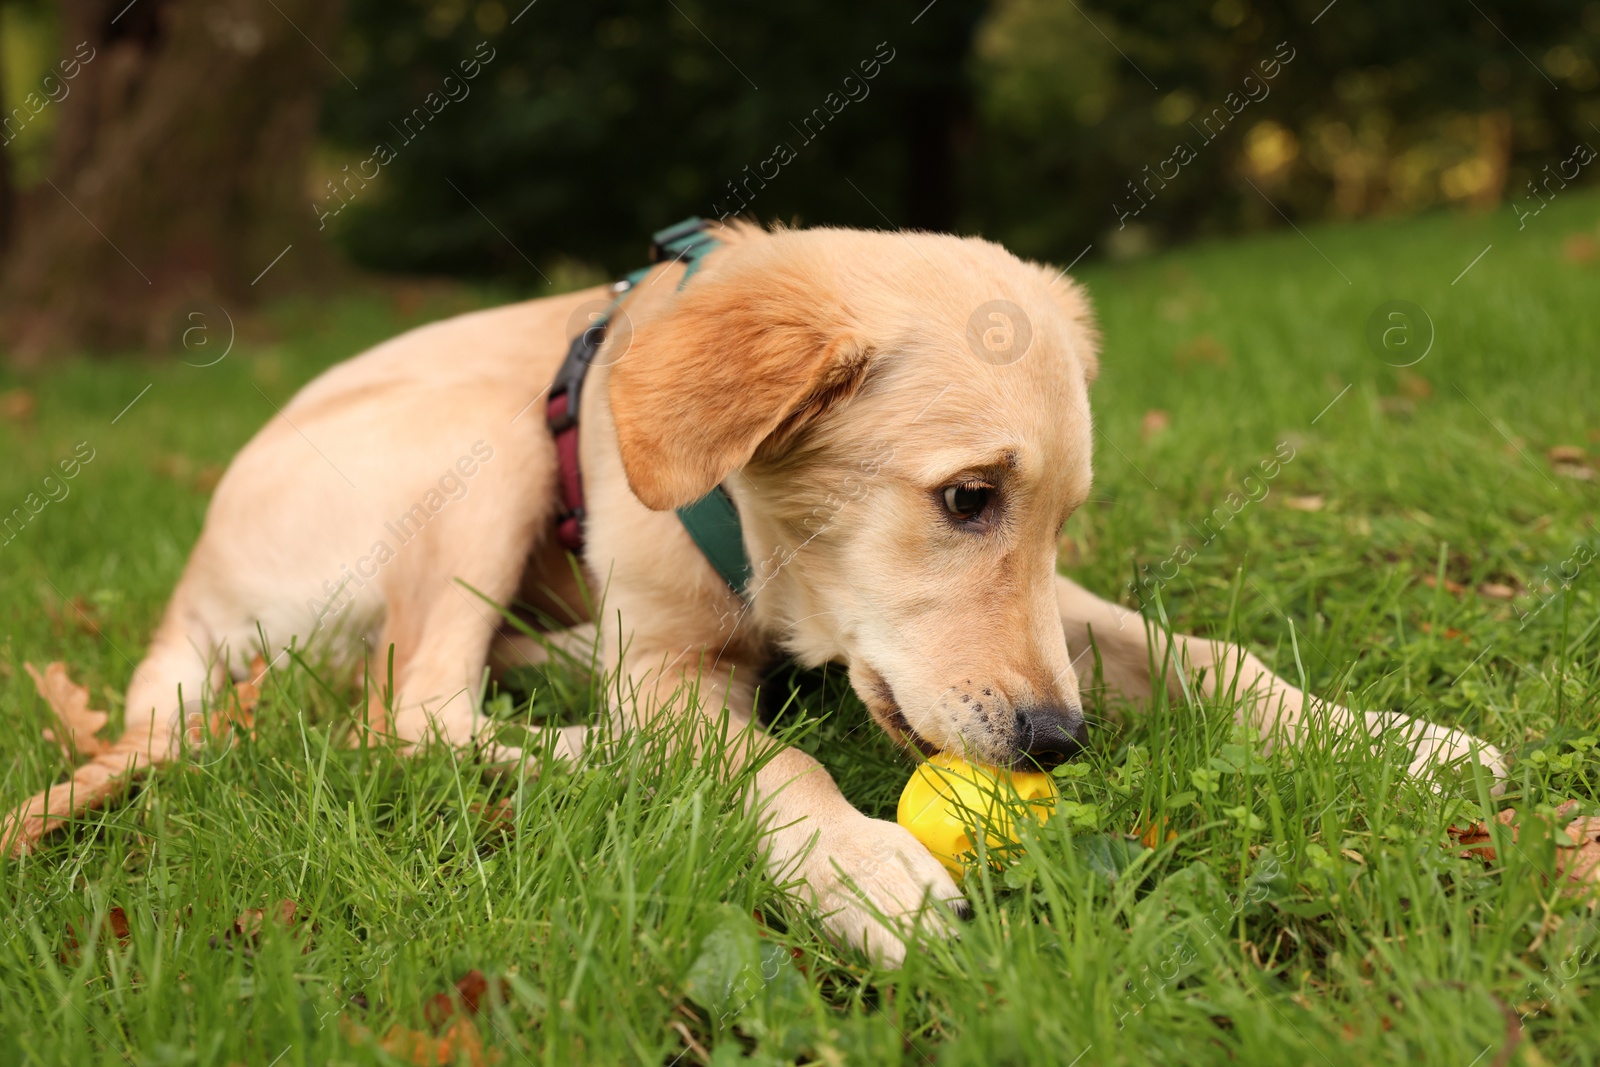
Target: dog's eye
(965, 501)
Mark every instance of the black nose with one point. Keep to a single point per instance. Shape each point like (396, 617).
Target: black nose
(1051, 734)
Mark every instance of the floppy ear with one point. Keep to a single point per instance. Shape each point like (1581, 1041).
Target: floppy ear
(734, 363)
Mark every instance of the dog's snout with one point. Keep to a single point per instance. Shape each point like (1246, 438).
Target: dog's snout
(1051, 734)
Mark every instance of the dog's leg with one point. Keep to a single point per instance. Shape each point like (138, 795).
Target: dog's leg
(575, 646)
(1129, 650)
(442, 632)
(871, 881)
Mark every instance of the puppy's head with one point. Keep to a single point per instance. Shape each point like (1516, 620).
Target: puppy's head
(903, 423)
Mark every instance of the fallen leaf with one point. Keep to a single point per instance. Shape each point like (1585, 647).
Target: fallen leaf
(1309, 502)
(471, 991)
(246, 929)
(79, 724)
(1154, 423)
(1577, 844)
(1580, 249)
(207, 477)
(240, 710)
(1571, 461)
(174, 466)
(1497, 591)
(16, 405)
(459, 1039)
(1450, 632)
(1415, 385)
(78, 613)
(499, 817)
(1451, 587)
(117, 920)
(1202, 349)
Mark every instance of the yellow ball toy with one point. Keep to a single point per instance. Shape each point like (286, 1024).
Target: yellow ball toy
(947, 796)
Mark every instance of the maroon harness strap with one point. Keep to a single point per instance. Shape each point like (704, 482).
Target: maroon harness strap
(570, 482)
(685, 242)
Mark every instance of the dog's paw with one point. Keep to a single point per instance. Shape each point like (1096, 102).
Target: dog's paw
(1434, 746)
(876, 886)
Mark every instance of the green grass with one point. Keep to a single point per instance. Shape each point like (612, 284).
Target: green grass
(1306, 909)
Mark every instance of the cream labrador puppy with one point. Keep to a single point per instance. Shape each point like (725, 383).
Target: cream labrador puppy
(900, 471)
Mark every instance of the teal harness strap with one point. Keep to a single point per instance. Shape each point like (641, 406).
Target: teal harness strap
(713, 524)
(712, 521)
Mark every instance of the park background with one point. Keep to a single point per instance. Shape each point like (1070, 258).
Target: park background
(537, 144)
(1379, 255)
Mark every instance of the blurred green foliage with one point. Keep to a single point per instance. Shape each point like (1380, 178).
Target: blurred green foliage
(1047, 124)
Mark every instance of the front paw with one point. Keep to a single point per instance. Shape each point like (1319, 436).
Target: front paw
(1435, 746)
(876, 885)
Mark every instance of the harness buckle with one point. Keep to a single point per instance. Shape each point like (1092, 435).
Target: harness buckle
(673, 241)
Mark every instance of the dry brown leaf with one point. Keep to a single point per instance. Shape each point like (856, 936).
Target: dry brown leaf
(79, 724)
(460, 1039)
(240, 711)
(77, 613)
(246, 929)
(1202, 349)
(117, 922)
(1571, 461)
(207, 477)
(1450, 632)
(1580, 249)
(1415, 385)
(1577, 844)
(1497, 591)
(16, 405)
(1309, 502)
(457, 1040)
(1154, 423)
(1452, 587)
(499, 817)
(471, 992)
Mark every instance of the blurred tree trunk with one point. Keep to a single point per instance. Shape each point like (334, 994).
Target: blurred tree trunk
(8, 191)
(177, 173)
